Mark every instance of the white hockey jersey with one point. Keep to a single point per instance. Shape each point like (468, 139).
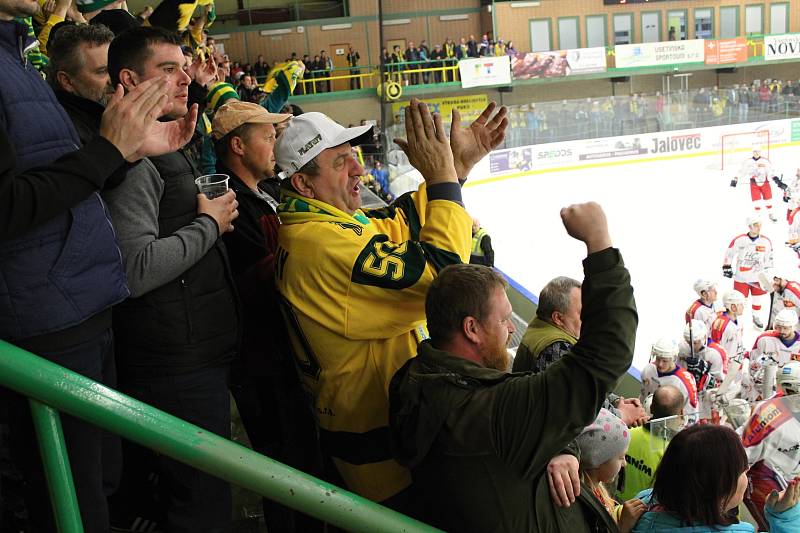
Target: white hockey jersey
(713, 353)
(703, 312)
(772, 435)
(749, 256)
(791, 296)
(680, 378)
(759, 169)
(770, 346)
(728, 333)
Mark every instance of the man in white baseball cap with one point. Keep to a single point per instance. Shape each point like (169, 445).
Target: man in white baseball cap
(355, 281)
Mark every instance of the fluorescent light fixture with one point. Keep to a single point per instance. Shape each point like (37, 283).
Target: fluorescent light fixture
(525, 4)
(221, 36)
(329, 27)
(396, 22)
(463, 16)
(282, 31)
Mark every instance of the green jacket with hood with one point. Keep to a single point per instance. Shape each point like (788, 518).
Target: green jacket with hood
(478, 440)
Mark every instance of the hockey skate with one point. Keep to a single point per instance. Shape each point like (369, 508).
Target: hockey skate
(757, 322)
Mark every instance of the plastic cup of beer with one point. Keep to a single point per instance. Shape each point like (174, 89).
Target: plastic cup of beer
(212, 185)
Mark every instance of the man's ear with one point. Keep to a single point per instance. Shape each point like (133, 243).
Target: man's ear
(302, 184)
(469, 328)
(64, 82)
(128, 78)
(236, 145)
(558, 318)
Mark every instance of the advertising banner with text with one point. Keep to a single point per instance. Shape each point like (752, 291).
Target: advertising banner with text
(722, 51)
(469, 106)
(782, 46)
(485, 71)
(653, 54)
(558, 63)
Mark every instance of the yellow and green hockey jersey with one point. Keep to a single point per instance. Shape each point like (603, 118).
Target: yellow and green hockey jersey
(355, 288)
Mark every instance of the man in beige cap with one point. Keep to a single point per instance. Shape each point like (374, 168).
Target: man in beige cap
(263, 381)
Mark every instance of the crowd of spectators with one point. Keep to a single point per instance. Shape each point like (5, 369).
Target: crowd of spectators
(359, 344)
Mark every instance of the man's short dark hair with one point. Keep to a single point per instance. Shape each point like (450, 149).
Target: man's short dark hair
(64, 50)
(459, 291)
(555, 296)
(132, 48)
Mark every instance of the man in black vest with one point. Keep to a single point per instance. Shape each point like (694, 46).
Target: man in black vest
(60, 267)
(178, 333)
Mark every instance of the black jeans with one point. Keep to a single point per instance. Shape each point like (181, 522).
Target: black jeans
(194, 500)
(94, 455)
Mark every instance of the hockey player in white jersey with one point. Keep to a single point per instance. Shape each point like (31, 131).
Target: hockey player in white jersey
(697, 345)
(759, 170)
(771, 439)
(791, 195)
(703, 308)
(785, 295)
(726, 329)
(665, 370)
(746, 259)
(774, 348)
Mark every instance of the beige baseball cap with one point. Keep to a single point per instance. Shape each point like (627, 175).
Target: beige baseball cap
(235, 113)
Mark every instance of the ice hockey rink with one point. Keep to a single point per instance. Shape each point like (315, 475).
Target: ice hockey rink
(672, 216)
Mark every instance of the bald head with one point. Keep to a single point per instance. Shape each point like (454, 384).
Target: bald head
(667, 401)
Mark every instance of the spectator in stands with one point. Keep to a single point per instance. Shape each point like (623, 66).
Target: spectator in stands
(397, 61)
(510, 50)
(176, 359)
(374, 273)
(552, 334)
(52, 211)
(438, 61)
(412, 56)
(326, 65)
(603, 445)
(462, 424)
(352, 60)
(484, 47)
(260, 69)
(425, 56)
(482, 252)
(700, 483)
(79, 75)
(249, 91)
(649, 441)
(472, 47)
(671, 34)
(555, 328)
(263, 381)
(381, 175)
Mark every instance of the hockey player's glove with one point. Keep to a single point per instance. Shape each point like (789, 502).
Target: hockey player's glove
(796, 247)
(787, 195)
(779, 182)
(727, 271)
(734, 181)
(697, 367)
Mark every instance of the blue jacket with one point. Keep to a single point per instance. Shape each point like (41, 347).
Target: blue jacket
(69, 268)
(663, 522)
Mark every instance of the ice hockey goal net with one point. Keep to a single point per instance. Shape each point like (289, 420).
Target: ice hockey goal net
(736, 147)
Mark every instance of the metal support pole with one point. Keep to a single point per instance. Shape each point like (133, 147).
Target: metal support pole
(382, 79)
(55, 460)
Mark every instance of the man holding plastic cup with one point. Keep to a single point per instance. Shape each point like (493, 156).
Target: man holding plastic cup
(177, 334)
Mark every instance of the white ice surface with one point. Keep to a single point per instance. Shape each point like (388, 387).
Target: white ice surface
(672, 220)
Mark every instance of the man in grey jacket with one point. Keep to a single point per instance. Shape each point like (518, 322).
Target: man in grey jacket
(179, 331)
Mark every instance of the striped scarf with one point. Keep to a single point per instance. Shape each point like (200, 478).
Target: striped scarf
(296, 209)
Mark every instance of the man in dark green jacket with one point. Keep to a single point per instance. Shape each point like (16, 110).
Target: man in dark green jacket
(478, 439)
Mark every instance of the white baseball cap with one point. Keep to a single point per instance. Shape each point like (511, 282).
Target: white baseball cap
(307, 135)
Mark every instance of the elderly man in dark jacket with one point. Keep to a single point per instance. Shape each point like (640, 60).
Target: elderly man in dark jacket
(478, 439)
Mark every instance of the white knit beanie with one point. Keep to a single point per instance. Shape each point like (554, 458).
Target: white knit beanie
(605, 438)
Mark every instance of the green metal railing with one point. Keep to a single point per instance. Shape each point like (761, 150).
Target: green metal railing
(52, 388)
